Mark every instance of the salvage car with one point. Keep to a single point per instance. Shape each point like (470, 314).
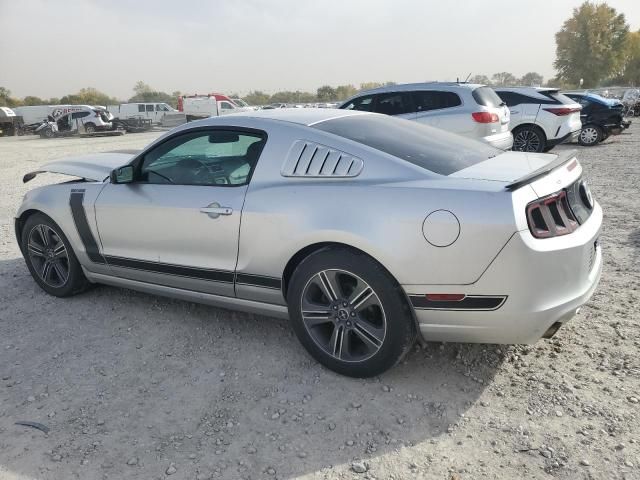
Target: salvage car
(363, 229)
(601, 117)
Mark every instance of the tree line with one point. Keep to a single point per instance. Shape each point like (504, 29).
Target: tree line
(595, 47)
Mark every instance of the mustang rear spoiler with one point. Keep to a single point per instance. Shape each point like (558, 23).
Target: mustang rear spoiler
(562, 159)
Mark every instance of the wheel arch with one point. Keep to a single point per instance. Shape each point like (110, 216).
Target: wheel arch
(531, 125)
(304, 252)
(21, 220)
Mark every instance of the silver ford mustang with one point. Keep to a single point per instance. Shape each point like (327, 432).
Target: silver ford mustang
(361, 228)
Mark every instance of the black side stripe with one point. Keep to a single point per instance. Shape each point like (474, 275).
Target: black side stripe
(258, 281)
(169, 269)
(76, 202)
(80, 219)
(471, 302)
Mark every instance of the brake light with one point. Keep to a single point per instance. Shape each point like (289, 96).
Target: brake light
(485, 117)
(551, 216)
(561, 111)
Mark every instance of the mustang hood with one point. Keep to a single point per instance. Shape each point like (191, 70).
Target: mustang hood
(94, 167)
(518, 167)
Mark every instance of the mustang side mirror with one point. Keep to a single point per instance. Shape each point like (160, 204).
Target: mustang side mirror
(122, 174)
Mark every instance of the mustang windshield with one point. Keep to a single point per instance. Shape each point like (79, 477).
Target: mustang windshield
(427, 147)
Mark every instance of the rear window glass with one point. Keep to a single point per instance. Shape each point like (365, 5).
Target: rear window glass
(427, 147)
(486, 97)
(558, 97)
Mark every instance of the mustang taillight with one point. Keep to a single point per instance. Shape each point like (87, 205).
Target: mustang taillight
(551, 216)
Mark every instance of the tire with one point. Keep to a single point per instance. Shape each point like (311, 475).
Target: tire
(89, 128)
(529, 138)
(590, 135)
(41, 242)
(46, 133)
(365, 310)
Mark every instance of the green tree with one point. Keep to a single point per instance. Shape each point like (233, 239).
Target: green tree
(326, 93)
(6, 100)
(88, 96)
(257, 97)
(504, 79)
(480, 79)
(141, 88)
(591, 45)
(145, 93)
(345, 91)
(631, 72)
(532, 79)
(31, 100)
(372, 85)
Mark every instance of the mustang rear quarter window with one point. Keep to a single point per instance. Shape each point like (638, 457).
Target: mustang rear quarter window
(427, 147)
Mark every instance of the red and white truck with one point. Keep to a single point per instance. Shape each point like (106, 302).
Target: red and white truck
(196, 107)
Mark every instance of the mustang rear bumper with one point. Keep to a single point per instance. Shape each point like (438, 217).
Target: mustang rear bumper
(542, 281)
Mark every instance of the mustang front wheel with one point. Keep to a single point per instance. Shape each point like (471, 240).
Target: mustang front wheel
(349, 313)
(49, 257)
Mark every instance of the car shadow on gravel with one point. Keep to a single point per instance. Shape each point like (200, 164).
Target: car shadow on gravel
(120, 376)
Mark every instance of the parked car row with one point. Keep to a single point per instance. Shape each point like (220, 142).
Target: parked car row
(527, 119)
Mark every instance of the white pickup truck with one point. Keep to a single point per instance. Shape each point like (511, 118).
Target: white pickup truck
(196, 107)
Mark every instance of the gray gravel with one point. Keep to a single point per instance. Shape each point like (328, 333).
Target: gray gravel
(139, 387)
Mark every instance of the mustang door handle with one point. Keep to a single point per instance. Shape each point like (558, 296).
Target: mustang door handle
(215, 210)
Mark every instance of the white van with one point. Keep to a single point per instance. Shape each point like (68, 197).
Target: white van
(153, 111)
(203, 106)
(33, 114)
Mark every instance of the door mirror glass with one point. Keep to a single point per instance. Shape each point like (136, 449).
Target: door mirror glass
(122, 174)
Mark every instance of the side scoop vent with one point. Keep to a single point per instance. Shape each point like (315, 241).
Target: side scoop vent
(308, 159)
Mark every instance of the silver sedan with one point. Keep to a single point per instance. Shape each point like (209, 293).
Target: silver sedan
(364, 230)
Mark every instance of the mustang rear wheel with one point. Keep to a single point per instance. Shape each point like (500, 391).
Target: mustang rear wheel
(50, 259)
(349, 313)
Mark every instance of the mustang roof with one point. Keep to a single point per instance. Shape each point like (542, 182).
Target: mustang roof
(303, 116)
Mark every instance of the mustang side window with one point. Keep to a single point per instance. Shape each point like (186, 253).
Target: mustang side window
(213, 157)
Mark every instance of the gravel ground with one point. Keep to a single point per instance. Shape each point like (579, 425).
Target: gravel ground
(135, 386)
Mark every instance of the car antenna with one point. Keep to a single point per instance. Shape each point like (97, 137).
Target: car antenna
(468, 76)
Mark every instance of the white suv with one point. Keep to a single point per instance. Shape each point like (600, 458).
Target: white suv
(541, 118)
(467, 109)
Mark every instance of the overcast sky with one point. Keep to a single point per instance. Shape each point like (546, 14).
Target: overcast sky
(51, 48)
